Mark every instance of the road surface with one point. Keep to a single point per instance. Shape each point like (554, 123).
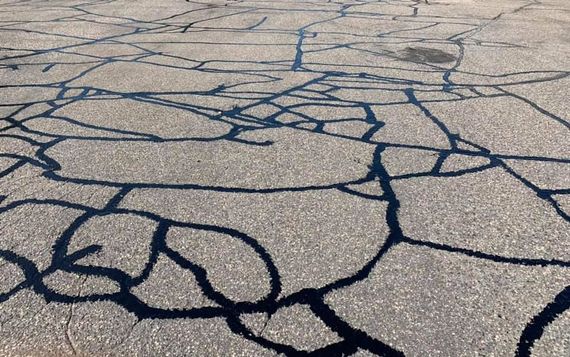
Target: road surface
(257, 178)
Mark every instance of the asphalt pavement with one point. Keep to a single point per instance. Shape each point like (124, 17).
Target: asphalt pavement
(260, 178)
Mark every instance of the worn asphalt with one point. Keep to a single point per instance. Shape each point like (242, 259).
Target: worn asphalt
(252, 178)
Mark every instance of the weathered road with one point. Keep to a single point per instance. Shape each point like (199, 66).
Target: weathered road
(280, 177)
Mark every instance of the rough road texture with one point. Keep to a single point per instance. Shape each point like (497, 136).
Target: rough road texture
(285, 177)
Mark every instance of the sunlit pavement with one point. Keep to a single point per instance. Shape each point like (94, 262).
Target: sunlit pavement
(285, 177)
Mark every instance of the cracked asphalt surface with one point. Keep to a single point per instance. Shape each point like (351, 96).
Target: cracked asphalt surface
(294, 177)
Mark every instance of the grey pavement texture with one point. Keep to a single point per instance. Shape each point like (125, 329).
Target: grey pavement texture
(252, 178)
